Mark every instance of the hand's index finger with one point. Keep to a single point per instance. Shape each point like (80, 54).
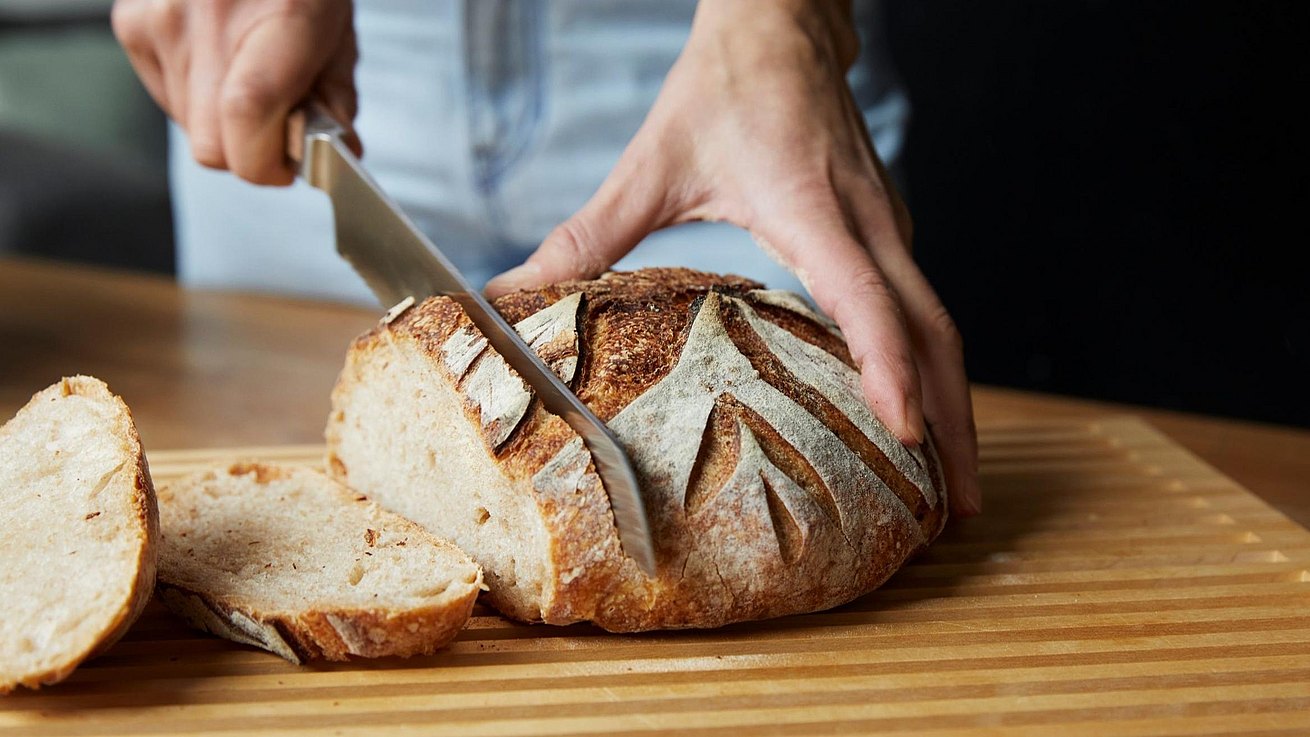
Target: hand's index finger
(939, 356)
(272, 70)
(850, 287)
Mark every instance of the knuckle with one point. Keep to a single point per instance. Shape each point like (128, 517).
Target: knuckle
(573, 243)
(863, 291)
(943, 329)
(861, 287)
(868, 281)
(208, 153)
(259, 172)
(814, 191)
(341, 96)
(253, 164)
(296, 8)
(168, 19)
(246, 98)
(125, 18)
(904, 220)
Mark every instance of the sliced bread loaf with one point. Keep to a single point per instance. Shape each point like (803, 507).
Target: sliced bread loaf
(79, 528)
(289, 560)
(771, 487)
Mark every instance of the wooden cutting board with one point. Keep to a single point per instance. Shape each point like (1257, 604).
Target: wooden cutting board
(1115, 585)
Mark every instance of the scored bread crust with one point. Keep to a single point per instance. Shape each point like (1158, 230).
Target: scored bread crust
(770, 487)
(323, 632)
(144, 521)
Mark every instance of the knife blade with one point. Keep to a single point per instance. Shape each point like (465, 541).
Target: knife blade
(398, 261)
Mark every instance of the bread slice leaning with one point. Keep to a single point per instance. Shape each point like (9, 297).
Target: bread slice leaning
(79, 523)
(289, 560)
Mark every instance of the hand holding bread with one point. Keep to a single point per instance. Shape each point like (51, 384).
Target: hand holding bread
(757, 127)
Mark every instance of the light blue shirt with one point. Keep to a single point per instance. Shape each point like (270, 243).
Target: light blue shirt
(490, 122)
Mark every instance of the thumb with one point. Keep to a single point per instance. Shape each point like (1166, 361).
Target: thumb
(626, 208)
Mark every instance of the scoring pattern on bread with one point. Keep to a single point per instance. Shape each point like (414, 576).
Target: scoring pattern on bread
(772, 488)
(494, 391)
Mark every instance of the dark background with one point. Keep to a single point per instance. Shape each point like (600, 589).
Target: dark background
(83, 172)
(1110, 197)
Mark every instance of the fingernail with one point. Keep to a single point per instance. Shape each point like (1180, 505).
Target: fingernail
(516, 278)
(354, 143)
(971, 501)
(975, 505)
(913, 424)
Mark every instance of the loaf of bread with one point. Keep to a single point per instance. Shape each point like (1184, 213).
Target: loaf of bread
(771, 487)
(78, 526)
(287, 559)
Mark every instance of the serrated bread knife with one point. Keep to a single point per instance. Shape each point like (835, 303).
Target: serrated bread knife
(399, 262)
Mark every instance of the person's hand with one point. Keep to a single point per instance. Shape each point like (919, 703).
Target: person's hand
(756, 126)
(230, 71)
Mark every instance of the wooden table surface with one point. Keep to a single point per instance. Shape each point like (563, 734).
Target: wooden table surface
(203, 370)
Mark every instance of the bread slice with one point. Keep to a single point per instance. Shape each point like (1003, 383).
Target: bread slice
(770, 486)
(286, 559)
(79, 528)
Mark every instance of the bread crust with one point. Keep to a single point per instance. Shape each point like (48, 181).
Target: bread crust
(322, 633)
(145, 523)
(770, 486)
(328, 634)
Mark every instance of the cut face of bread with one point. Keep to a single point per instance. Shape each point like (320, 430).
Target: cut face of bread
(79, 527)
(289, 560)
(771, 487)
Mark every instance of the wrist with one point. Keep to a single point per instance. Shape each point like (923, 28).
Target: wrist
(825, 27)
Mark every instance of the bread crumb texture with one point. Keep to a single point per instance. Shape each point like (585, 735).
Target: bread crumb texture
(771, 487)
(289, 560)
(79, 524)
